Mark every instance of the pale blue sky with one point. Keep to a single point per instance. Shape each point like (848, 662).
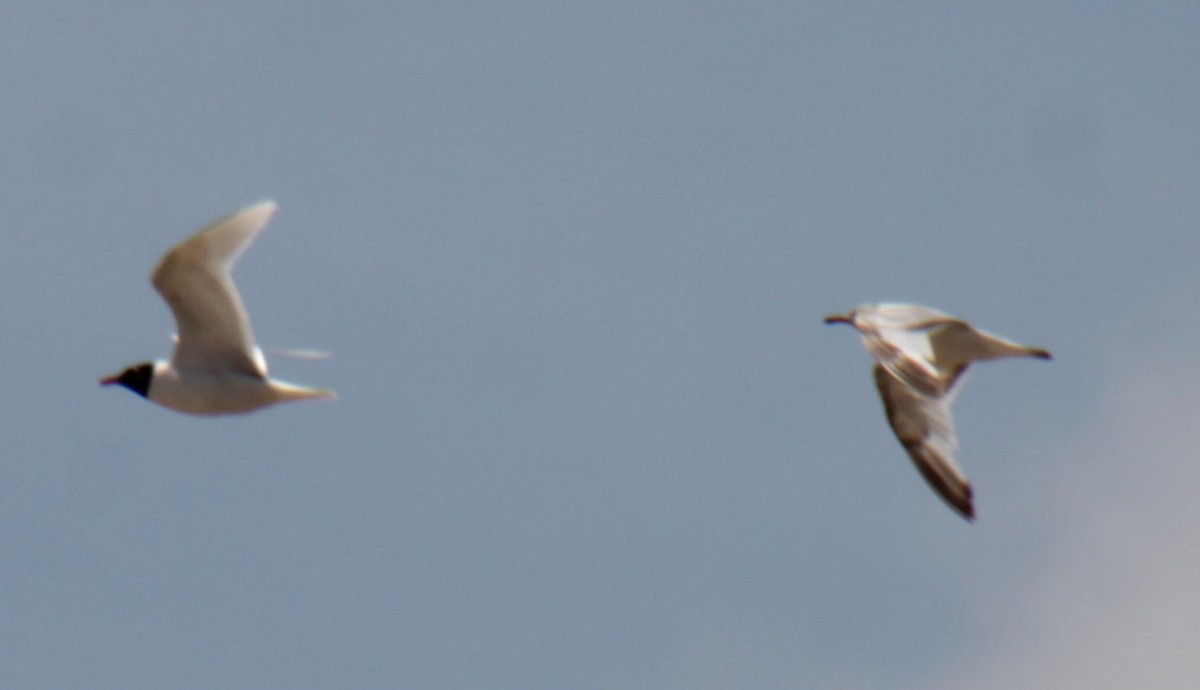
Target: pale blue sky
(573, 259)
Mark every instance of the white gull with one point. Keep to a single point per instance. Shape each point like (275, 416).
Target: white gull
(921, 355)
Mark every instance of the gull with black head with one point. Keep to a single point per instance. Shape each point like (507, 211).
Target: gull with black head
(217, 368)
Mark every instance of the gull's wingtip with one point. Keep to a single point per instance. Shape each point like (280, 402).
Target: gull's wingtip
(298, 353)
(962, 504)
(264, 210)
(1042, 354)
(838, 318)
(263, 204)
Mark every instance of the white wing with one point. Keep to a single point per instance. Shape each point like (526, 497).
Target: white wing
(949, 342)
(926, 430)
(900, 337)
(904, 357)
(890, 315)
(957, 344)
(195, 278)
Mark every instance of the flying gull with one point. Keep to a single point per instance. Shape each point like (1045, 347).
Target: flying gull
(921, 353)
(216, 368)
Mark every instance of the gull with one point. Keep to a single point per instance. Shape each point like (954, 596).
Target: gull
(921, 353)
(216, 367)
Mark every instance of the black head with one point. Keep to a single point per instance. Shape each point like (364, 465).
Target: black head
(136, 378)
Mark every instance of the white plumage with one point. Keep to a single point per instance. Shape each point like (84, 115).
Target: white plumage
(217, 368)
(921, 355)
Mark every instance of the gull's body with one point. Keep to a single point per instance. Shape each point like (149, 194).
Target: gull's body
(921, 355)
(216, 368)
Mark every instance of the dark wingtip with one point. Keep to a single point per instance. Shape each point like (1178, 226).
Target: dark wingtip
(1042, 354)
(963, 505)
(837, 318)
(967, 509)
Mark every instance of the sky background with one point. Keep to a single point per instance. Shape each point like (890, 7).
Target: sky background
(573, 260)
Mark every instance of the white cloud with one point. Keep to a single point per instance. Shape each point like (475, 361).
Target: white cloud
(1116, 605)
